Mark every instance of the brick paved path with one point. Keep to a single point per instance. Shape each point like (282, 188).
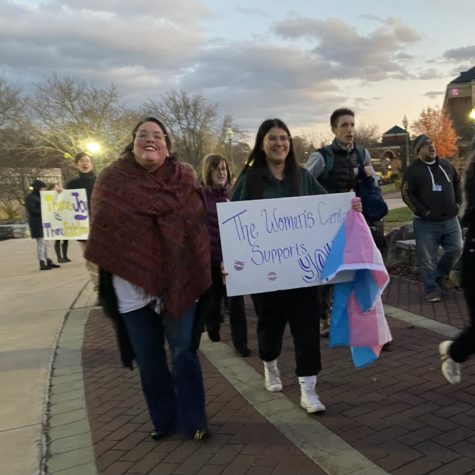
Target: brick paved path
(399, 413)
(242, 442)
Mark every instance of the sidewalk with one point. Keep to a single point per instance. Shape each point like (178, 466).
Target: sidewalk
(32, 309)
(397, 416)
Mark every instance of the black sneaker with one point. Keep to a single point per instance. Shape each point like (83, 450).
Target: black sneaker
(214, 335)
(51, 264)
(243, 350)
(158, 435)
(44, 266)
(202, 435)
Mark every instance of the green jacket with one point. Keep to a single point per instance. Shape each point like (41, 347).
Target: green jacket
(274, 188)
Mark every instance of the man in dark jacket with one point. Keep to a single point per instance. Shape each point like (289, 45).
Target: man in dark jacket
(341, 178)
(33, 209)
(85, 181)
(431, 189)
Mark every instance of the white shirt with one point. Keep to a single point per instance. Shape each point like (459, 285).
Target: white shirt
(130, 297)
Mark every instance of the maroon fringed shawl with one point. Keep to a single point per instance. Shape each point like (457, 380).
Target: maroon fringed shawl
(150, 229)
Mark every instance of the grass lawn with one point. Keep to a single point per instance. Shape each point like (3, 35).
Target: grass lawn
(396, 218)
(389, 188)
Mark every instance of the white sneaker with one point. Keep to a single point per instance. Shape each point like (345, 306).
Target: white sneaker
(272, 380)
(308, 397)
(450, 369)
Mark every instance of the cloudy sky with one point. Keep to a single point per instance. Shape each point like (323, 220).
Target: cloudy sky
(297, 60)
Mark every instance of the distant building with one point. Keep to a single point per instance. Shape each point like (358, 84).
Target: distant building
(391, 155)
(14, 186)
(458, 102)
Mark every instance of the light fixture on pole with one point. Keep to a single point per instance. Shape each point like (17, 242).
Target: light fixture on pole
(93, 147)
(229, 139)
(405, 124)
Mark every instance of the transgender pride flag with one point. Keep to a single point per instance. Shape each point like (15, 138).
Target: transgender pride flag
(358, 319)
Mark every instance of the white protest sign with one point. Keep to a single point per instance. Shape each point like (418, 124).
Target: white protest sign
(282, 243)
(65, 215)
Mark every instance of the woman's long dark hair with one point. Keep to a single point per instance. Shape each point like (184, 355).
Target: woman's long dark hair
(256, 164)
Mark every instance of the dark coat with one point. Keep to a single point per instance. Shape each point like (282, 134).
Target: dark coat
(213, 197)
(419, 194)
(33, 208)
(85, 181)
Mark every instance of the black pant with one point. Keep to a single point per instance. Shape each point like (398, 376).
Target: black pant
(464, 344)
(61, 246)
(215, 293)
(237, 319)
(299, 307)
(325, 298)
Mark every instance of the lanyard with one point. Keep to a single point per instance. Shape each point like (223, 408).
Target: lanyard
(432, 176)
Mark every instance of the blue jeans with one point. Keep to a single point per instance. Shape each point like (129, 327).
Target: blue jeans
(429, 236)
(175, 400)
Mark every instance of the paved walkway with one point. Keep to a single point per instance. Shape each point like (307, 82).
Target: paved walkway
(397, 416)
(33, 305)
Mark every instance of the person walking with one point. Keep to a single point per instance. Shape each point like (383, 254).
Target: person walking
(431, 189)
(339, 167)
(272, 171)
(150, 241)
(458, 351)
(217, 188)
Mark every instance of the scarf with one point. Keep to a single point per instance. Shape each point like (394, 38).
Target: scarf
(149, 228)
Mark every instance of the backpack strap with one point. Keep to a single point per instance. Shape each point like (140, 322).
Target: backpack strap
(327, 154)
(360, 155)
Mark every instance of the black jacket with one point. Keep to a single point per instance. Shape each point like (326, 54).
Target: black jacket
(86, 181)
(420, 190)
(33, 208)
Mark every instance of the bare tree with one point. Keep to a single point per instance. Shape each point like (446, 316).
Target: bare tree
(302, 148)
(367, 135)
(12, 105)
(67, 114)
(190, 120)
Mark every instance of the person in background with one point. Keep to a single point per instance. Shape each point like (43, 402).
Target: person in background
(60, 246)
(431, 189)
(149, 238)
(341, 177)
(86, 180)
(272, 171)
(453, 353)
(217, 187)
(33, 209)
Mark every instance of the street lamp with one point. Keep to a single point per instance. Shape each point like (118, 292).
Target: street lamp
(405, 123)
(229, 139)
(93, 147)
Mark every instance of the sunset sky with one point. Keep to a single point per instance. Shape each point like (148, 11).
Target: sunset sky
(297, 60)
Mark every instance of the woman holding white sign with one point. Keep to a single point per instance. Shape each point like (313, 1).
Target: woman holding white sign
(272, 171)
(217, 188)
(150, 240)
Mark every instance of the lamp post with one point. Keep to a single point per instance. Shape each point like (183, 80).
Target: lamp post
(405, 123)
(229, 140)
(93, 147)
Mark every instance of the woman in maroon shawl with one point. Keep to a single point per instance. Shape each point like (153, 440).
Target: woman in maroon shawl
(150, 240)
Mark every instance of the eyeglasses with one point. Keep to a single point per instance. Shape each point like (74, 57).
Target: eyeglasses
(154, 135)
(275, 138)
